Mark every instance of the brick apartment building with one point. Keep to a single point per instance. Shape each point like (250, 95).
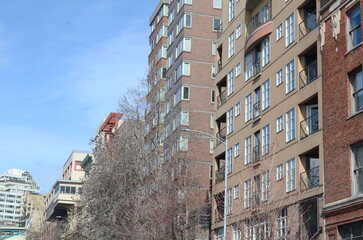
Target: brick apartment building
(181, 95)
(268, 108)
(342, 56)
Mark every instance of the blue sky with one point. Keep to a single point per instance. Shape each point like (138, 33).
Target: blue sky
(63, 67)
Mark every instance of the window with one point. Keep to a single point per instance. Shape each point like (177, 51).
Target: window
(217, 3)
(181, 94)
(237, 232)
(357, 90)
(265, 185)
(290, 175)
(248, 150)
(231, 9)
(238, 69)
(279, 77)
(185, 21)
(290, 76)
(231, 45)
(279, 32)
(265, 95)
(280, 123)
(282, 229)
(236, 150)
(236, 191)
(213, 71)
(214, 48)
(216, 24)
(279, 172)
(290, 29)
(290, 125)
(184, 45)
(184, 118)
(212, 121)
(229, 161)
(351, 231)
(183, 144)
(237, 109)
(211, 145)
(248, 193)
(266, 139)
(266, 51)
(238, 31)
(230, 82)
(354, 29)
(182, 70)
(358, 168)
(248, 107)
(249, 66)
(229, 201)
(230, 121)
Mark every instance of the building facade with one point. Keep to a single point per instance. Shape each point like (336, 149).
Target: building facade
(13, 185)
(342, 58)
(268, 112)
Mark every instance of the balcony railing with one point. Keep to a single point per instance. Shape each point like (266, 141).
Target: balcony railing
(221, 135)
(308, 24)
(309, 74)
(218, 215)
(220, 174)
(309, 126)
(256, 154)
(258, 20)
(222, 98)
(256, 199)
(256, 109)
(310, 179)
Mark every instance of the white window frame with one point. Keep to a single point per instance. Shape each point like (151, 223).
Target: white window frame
(248, 193)
(290, 125)
(238, 69)
(266, 51)
(229, 163)
(237, 109)
(279, 32)
(266, 94)
(231, 9)
(231, 45)
(279, 77)
(290, 76)
(290, 29)
(230, 121)
(236, 191)
(266, 139)
(280, 123)
(265, 185)
(357, 167)
(248, 107)
(230, 82)
(280, 172)
(237, 150)
(248, 150)
(291, 175)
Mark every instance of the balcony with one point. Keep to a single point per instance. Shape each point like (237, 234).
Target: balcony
(258, 20)
(221, 135)
(256, 109)
(309, 126)
(256, 154)
(309, 74)
(222, 98)
(309, 179)
(220, 173)
(308, 24)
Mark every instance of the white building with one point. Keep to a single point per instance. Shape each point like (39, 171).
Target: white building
(13, 184)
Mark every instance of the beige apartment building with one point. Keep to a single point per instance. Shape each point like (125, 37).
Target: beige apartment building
(268, 112)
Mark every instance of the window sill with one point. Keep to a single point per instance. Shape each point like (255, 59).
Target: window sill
(351, 50)
(354, 114)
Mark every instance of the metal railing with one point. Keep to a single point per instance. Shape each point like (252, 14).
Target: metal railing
(256, 109)
(220, 174)
(258, 20)
(309, 179)
(309, 126)
(308, 24)
(221, 135)
(256, 154)
(309, 74)
(222, 98)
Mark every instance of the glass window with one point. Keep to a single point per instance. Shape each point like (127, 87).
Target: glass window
(230, 120)
(351, 231)
(290, 76)
(236, 150)
(248, 150)
(282, 229)
(266, 139)
(216, 24)
(290, 125)
(217, 3)
(230, 82)
(229, 161)
(266, 51)
(248, 193)
(279, 172)
(265, 185)
(238, 69)
(290, 175)
(358, 168)
(279, 77)
(237, 109)
(280, 123)
(231, 45)
(231, 9)
(290, 29)
(279, 32)
(354, 29)
(266, 94)
(248, 107)
(357, 90)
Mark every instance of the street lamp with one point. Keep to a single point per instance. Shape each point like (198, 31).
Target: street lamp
(225, 142)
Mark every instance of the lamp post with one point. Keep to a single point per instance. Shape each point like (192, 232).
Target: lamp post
(225, 176)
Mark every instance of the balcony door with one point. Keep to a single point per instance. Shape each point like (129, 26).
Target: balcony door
(312, 118)
(312, 170)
